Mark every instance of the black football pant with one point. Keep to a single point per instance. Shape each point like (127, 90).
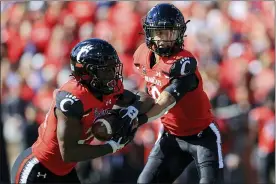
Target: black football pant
(27, 169)
(171, 155)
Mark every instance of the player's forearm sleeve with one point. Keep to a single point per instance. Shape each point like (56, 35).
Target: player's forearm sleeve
(180, 86)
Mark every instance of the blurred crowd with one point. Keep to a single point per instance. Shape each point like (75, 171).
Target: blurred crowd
(232, 41)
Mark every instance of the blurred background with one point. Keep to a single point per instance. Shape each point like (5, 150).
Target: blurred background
(233, 43)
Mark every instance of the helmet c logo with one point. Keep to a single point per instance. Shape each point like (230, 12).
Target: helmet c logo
(84, 49)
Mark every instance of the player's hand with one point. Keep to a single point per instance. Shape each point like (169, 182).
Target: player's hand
(125, 123)
(127, 115)
(124, 136)
(118, 142)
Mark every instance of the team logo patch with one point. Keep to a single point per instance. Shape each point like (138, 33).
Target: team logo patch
(41, 175)
(83, 50)
(183, 62)
(108, 102)
(67, 101)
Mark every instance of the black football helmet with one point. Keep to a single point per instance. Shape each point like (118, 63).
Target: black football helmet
(163, 17)
(96, 63)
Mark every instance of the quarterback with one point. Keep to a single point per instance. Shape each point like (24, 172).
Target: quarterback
(172, 78)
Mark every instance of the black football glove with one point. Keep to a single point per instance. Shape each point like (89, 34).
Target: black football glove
(127, 115)
(119, 141)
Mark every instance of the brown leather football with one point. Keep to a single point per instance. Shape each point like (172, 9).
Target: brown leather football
(106, 125)
(103, 127)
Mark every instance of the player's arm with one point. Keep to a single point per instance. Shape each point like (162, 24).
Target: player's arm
(130, 98)
(132, 102)
(182, 80)
(69, 111)
(125, 99)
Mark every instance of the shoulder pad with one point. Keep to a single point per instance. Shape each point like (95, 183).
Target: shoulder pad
(69, 104)
(183, 67)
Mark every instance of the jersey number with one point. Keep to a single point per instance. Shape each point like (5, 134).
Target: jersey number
(155, 93)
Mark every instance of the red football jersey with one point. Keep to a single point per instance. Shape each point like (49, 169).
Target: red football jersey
(46, 148)
(193, 112)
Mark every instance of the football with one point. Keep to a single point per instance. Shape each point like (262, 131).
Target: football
(104, 127)
(147, 102)
(107, 125)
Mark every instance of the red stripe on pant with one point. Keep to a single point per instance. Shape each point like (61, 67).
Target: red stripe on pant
(21, 167)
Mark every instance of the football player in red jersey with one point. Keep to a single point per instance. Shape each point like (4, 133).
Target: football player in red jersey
(173, 79)
(65, 134)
